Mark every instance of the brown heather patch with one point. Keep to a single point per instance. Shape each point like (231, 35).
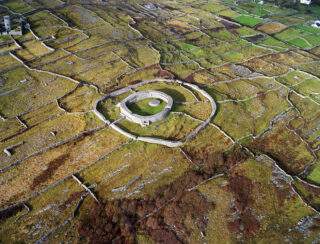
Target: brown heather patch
(161, 73)
(152, 66)
(14, 198)
(228, 24)
(74, 196)
(271, 28)
(190, 79)
(315, 51)
(164, 74)
(217, 29)
(52, 167)
(134, 82)
(283, 160)
(242, 188)
(233, 31)
(177, 29)
(218, 161)
(282, 194)
(137, 19)
(261, 96)
(169, 7)
(120, 220)
(111, 89)
(286, 158)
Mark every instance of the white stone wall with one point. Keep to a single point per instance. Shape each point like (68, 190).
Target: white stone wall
(145, 120)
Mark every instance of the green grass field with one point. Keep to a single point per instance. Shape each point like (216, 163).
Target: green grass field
(142, 107)
(313, 40)
(299, 42)
(248, 20)
(290, 33)
(309, 29)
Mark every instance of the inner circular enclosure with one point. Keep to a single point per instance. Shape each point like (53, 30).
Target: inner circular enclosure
(154, 103)
(146, 107)
(142, 95)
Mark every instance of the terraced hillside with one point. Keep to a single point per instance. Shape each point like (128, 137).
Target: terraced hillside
(236, 160)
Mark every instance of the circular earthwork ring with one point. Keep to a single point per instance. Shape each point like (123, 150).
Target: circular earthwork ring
(146, 120)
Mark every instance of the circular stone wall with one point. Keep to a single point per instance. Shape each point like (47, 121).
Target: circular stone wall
(154, 103)
(145, 120)
(165, 142)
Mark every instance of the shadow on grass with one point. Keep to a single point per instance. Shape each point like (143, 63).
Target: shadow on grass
(176, 95)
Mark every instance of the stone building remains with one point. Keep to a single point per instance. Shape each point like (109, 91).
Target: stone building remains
(10, 27)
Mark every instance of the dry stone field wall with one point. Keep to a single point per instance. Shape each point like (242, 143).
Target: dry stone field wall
(233, 157)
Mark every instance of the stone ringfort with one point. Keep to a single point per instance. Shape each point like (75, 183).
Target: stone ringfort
(145, 120)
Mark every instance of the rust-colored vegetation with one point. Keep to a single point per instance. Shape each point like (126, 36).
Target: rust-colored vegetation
(245, 222)
(120, 220)
(162, 216)
(261, 96)
(74, 196)
(284, 147)
(164, 74)
(190, 79)
(212, 163)
(52, 167)
(161, 73)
